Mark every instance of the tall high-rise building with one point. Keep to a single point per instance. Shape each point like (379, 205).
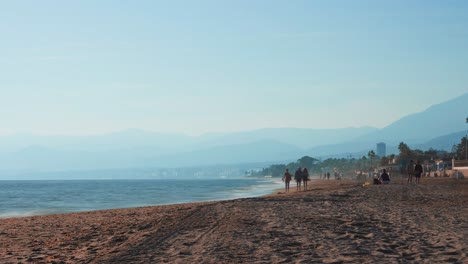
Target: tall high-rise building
(381, 149)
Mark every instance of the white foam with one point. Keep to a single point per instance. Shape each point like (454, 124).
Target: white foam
(28, 213)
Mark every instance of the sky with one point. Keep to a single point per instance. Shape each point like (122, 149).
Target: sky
(193, 67)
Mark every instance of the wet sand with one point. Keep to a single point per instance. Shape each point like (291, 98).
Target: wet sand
(333, 222)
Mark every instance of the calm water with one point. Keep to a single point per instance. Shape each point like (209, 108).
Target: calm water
(25, 198)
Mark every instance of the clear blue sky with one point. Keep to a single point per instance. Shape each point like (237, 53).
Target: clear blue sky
(85, 67)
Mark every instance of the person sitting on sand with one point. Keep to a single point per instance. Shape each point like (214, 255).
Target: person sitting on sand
(287, 178)
(377, 181)
(298, 178)
(418, 170)
(384, 177)
(305, 177)
(410, 171)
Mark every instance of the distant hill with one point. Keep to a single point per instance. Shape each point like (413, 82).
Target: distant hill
(435, 127)
(138, 148)
(38, 158)
(437, 120)
(352, 148)
(444, 142)
(135, 138)
(300, 137)
(265, 150)
(126, 139)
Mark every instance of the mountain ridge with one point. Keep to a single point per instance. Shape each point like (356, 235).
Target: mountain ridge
(437, 120)
(139, 148)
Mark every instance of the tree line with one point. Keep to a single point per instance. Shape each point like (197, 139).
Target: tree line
(364, 163)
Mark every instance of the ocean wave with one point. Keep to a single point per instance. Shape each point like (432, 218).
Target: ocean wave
(29, 213)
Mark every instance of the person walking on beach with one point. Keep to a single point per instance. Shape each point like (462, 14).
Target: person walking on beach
(418, 170)
(305, 177)
(298, 178)
(287, 179)
(410, 171)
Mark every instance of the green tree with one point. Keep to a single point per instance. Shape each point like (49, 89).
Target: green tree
(405, 151)
(418, 154)
(462, 148)
(384, 161)
(371, 155)
(454, 150)
(307, 162)
(431, 154)
(277, 170)
(292, 166)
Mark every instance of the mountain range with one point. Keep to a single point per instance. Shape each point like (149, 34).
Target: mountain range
(440, 126)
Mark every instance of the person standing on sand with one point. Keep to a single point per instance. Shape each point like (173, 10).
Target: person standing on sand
(305, 177)
(287, 178)
(298, 178)
(418, 170)
(410, 171)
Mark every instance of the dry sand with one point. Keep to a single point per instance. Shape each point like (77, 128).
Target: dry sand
(334, 222)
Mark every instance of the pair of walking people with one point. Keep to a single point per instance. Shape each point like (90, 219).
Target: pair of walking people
(414, 170)
(300, 176)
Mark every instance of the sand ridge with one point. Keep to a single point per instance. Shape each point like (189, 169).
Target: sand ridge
(333, 222)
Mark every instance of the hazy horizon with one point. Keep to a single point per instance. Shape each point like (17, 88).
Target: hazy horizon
(138, 129)
(134, 129)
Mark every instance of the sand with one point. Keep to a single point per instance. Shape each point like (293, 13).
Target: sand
(334, 222)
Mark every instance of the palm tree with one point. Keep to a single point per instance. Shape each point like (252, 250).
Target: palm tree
(405, 152)
(371, 155)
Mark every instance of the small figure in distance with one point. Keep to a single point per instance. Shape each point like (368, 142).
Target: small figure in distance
(298, 178)
(384, 177)
(410, 171)
(328, 175)
(418, 170)
(287, 178)
(305, 177)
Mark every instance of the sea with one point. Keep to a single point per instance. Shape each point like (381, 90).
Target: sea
(19, 198)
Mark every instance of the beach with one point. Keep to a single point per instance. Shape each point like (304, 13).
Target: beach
(332, 222)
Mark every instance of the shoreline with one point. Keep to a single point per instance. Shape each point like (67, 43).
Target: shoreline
(335, 221)
(230, 193)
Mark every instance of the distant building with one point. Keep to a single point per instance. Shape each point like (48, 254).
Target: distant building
(381, 149)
